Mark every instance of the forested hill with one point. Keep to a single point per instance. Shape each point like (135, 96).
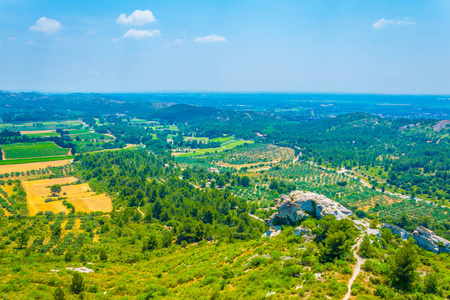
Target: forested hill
(405, 154)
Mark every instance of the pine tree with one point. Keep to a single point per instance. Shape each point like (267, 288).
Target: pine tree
(403, 266)
(68, 257)
(77, 285)
(59, 294)
(103, 255)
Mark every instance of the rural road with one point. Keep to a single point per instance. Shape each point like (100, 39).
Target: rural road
(356, 269)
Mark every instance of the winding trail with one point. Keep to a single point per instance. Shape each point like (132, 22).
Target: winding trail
(257, 218)
(139, 210)
(356, 269)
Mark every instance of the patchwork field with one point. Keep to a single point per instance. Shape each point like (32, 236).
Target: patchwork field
(31, 150)
(78, 195)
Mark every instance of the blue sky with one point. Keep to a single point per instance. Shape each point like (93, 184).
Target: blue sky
(360, 46)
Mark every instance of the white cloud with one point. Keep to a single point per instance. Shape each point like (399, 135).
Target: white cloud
(210, 39)
(381, 23)
(1, 43)
(45, 25)
(138, 17)
(79, 65)
(178, 42)
(139, 34)
(12, 38)
(95, 72)
(30, 42)
(115, 40)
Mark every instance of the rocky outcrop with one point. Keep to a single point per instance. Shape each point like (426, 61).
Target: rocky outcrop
(397, 230)
(303, 231)
(423, 237)
(272, 231)
(427, 240)
(298, 205)
(364, 227)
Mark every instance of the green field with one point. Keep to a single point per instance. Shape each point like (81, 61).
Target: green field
(79, 131)
(223, 139)
(32, 160)
(43, 134)
(90, 136)
(31, 150)
(42, 125)
(228, 146)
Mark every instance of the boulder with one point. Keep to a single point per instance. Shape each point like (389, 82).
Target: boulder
(303, 231)
(272, 231)
(298, 205)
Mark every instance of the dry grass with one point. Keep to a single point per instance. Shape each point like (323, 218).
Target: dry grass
(36, 131)
(33, 166)
(78, 195)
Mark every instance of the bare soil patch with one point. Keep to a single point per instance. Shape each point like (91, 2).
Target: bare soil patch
(79, 195)
(33, 166)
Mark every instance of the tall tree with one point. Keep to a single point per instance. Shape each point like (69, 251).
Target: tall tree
(403, 266)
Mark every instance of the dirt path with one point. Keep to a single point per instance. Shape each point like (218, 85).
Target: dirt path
(139, 210)
(257, 218)
(356, 269)
(442, 138)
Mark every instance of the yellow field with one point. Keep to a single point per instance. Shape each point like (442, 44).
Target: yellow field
(78, 195)
(33, 166)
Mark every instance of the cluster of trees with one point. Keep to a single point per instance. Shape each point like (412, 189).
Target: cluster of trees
(282, 187)
(134, 176)
(356, 140)
(9, 133)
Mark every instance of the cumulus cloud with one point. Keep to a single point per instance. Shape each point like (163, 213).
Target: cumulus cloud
(138, 18)
(210, 39)
(381, 23)
(139, 34)
(45, 25)
(12, 38)
(115, 40)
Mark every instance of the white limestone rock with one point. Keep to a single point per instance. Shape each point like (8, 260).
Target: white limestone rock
(299, 205)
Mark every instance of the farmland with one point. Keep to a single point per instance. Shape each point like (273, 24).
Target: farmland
(40, 126)
(27, 167)
(78, 194)
(40, 133)
(34, 160)
(227, 143)
(32, 150)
